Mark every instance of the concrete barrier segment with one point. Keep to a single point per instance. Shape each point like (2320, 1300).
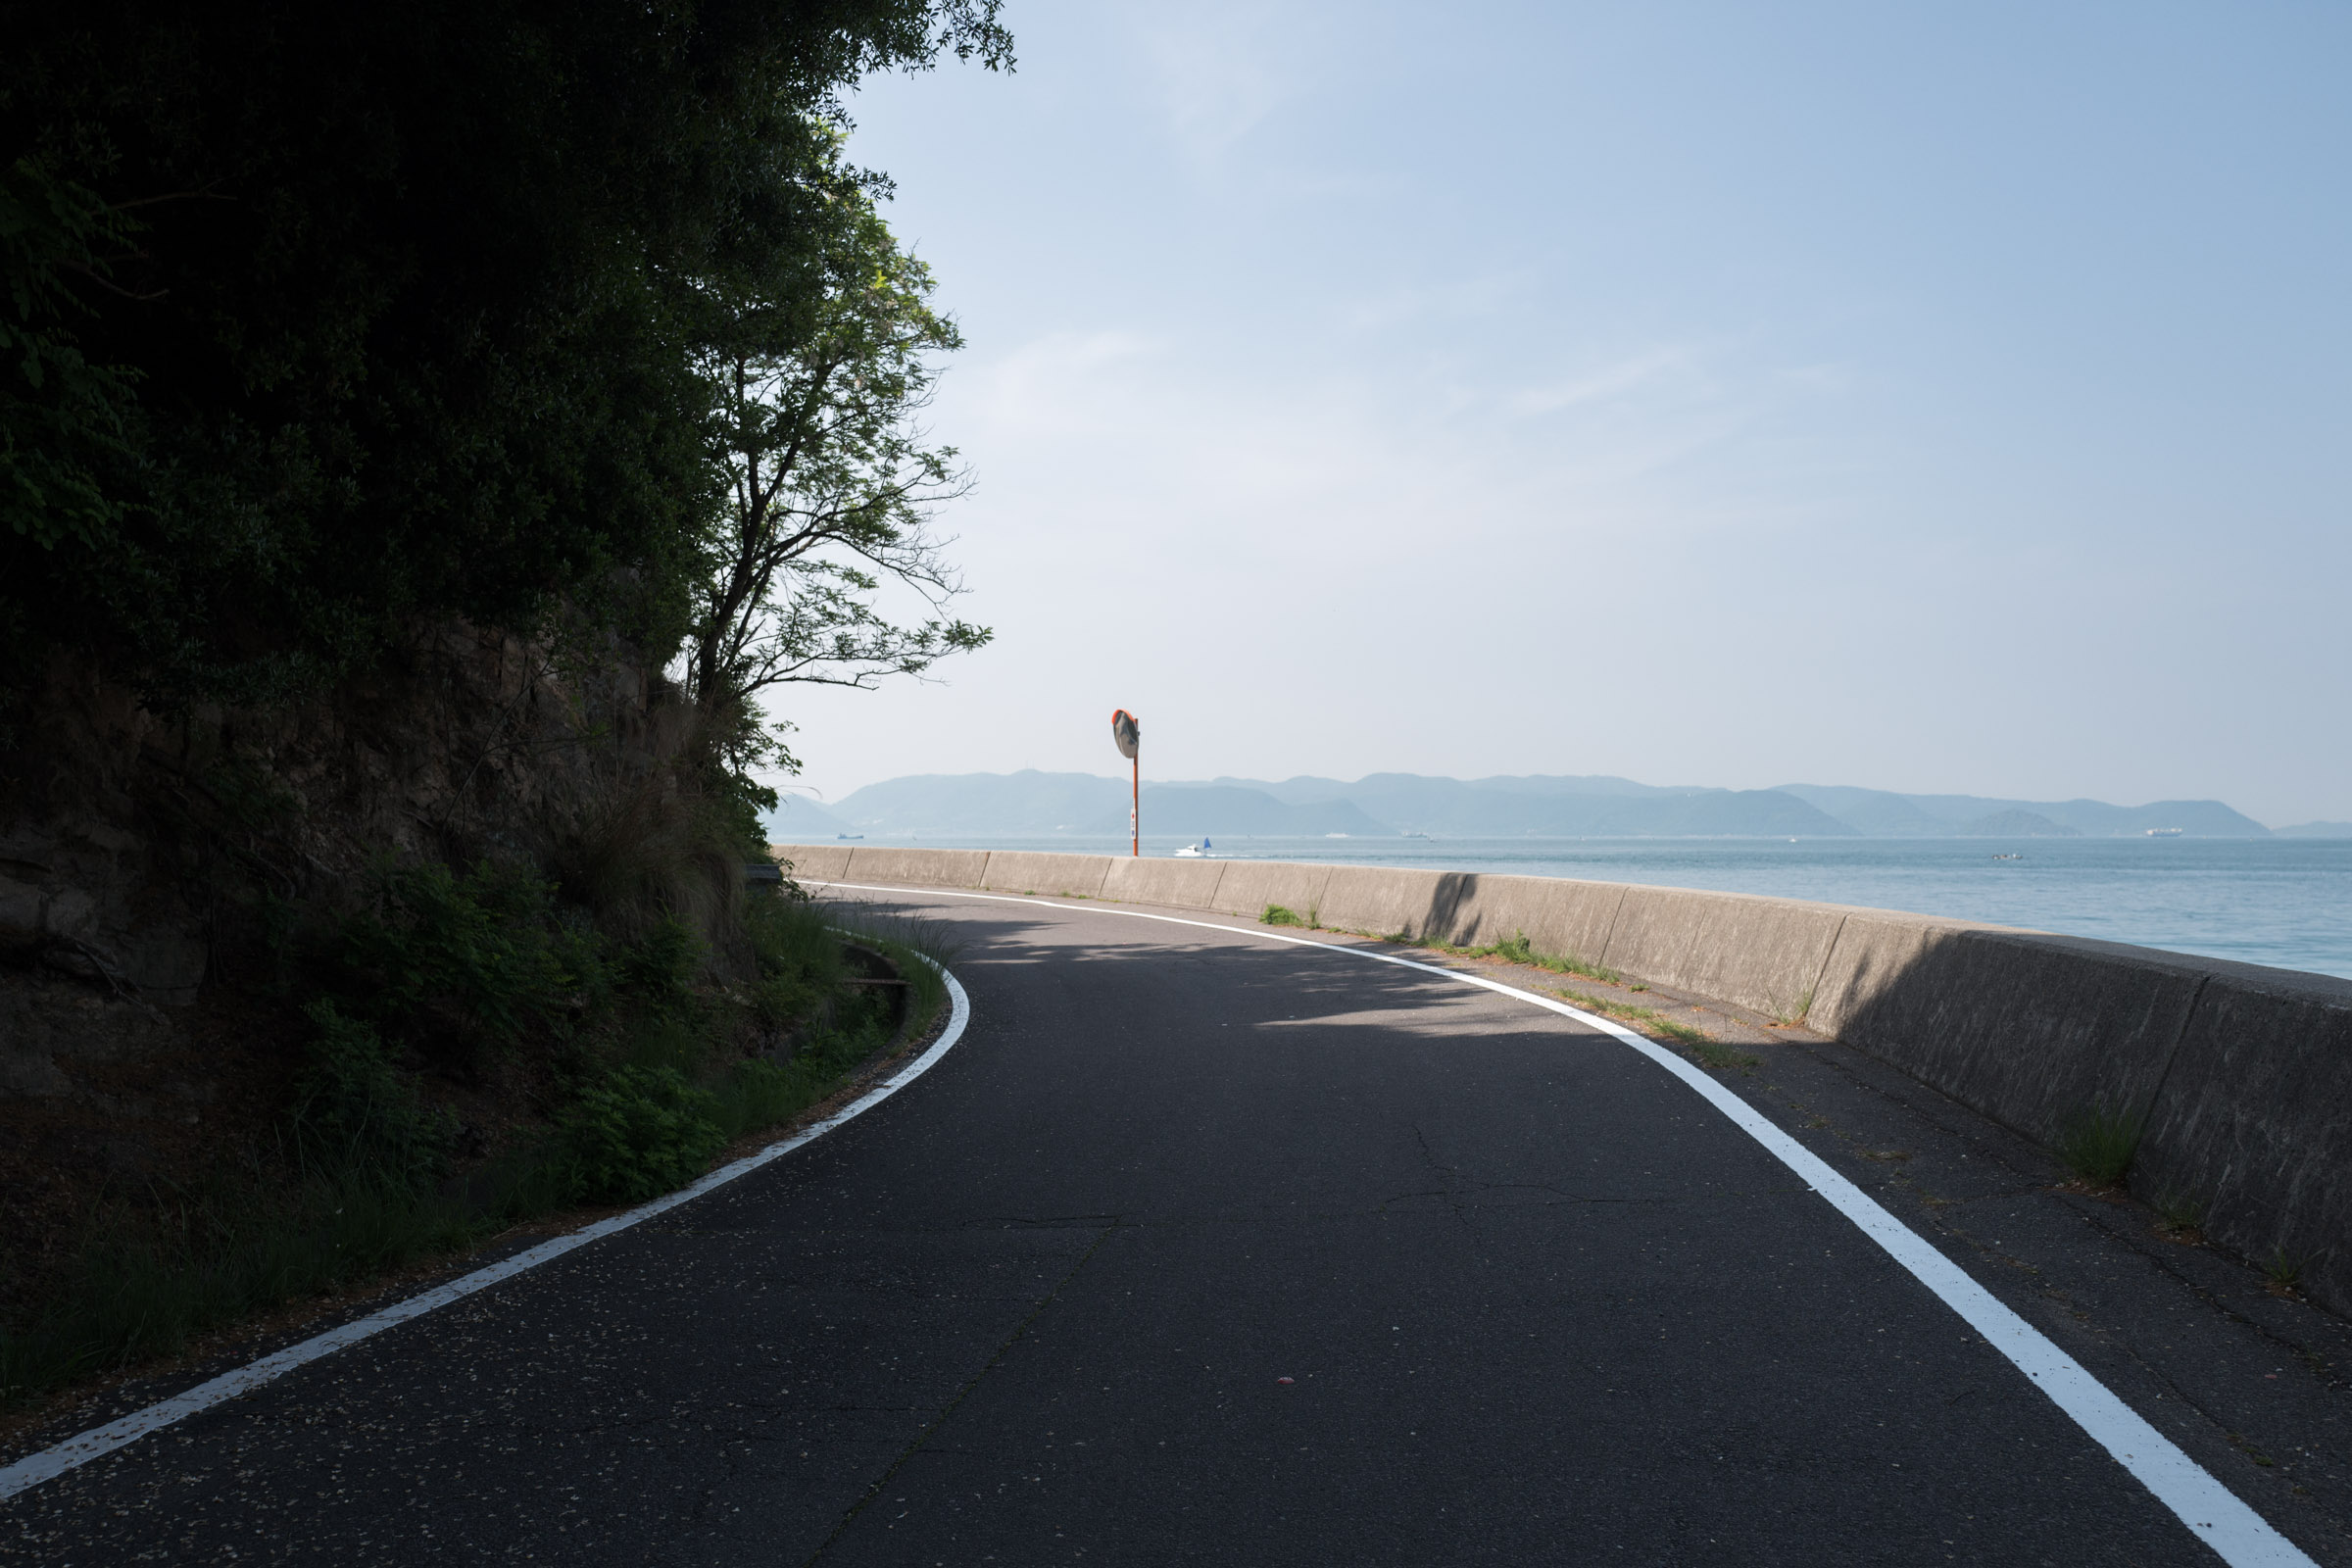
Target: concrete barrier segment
(820, 863)
(1872, 948)
(1062, 876)
(1763, 954)
(1180, 884)
(938, 869)
(1249, 886)
(1565, 918)
(2033, 1031)
(2252, 1128)
(1386, 899)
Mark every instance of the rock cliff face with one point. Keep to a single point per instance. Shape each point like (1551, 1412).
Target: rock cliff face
(145, 854)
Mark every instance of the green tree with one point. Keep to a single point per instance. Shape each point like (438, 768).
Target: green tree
(828, 484)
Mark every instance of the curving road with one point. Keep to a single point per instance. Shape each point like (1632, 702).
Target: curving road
(1196, 1248)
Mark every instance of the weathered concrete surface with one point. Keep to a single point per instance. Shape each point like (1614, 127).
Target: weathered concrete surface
(1765, 954)
(818, 862)
(1873, 946)
(1249, 886)
(1568, 918)
(1065, 876)
(939, 868)
(2254, 1122)
(2032, 1030)
(1186, 884)
(1386, 899)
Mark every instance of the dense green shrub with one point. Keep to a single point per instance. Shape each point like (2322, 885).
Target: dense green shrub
(354, 1111)
(459, 965)
(634, 1133)
(659, 969)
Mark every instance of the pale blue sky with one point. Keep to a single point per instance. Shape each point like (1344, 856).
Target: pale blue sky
(1924, 396)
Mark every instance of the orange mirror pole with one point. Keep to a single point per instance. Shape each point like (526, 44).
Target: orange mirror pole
(1128, 736)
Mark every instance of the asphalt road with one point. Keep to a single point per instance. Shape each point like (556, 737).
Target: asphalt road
(1196, 1249)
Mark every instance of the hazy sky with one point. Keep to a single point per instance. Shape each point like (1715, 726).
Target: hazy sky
(1925, 397)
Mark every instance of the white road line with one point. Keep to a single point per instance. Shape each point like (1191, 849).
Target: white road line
(52, 1462)
(2213, 1513)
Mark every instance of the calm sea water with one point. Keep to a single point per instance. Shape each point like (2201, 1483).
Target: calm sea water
(2281, 901)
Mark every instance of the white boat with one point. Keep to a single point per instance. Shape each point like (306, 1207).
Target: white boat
(1196, 852)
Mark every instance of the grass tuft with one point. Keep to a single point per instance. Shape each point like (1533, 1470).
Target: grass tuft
(1517, 949)
(1711, 1052)
(1718, 1056)
(2182, 1216)
(2098, 1144)
(1277, 915)
(2285, 1272)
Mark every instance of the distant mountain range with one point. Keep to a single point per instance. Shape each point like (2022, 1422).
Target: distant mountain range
(1034, 804)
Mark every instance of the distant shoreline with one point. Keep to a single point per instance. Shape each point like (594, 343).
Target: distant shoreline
(1084, 805)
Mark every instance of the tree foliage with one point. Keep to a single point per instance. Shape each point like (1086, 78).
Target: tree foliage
(64, 421)
(320, 319)
(828, 485)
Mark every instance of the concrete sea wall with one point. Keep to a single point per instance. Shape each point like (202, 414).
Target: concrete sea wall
(2240, 1077)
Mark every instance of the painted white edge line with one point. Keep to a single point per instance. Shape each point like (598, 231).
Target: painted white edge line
(80, 1449)
(2213, 1513)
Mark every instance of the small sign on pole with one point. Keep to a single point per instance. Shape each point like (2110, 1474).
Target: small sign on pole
(1128, 736)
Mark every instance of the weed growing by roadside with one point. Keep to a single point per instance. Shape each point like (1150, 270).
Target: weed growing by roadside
(1517, 949)
(1710, 1051)
(2285, 1272)
(2182, 1217)
(2098, 1144)
(761, 1093)
(920, 949)
(1276, 914)
(1714, 1052)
